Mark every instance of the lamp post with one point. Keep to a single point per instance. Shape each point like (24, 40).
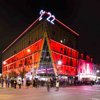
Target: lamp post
(59, 63)
(32, 63)
(7, 68)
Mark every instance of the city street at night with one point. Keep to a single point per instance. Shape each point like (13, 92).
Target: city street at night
(49, 50)
(86, 92)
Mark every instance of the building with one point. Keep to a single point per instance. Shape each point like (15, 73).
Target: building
(41, 46)
(98, 73)
(87, 70)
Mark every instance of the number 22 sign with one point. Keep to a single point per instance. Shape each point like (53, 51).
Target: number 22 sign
(50, 18)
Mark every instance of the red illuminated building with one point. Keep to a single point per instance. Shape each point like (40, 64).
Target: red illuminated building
(41, 46)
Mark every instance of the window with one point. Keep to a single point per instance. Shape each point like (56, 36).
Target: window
(53, 32)
(53, 47)
(55, 54)
(29, 42)
(50, 41)
(61, 49)
(66, 71)
(36, 39)
(61, 57)
(14, 51)
(71, 62)
(75, 70)
(38, 48)
(65, 51)
(30, 57)
(67, 61)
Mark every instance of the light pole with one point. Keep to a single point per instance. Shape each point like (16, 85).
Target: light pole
(32, 63)
(59, 63)
(7, 68)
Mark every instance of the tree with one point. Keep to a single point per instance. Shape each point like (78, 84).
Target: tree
(22, 73)
(13, 74)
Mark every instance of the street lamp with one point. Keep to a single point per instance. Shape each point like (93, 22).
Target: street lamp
(32, 63)
(4, 62)
(59, 63)
(7, 67)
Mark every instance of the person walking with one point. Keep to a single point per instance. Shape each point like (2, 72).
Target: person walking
(27, 83)
(19, 83)
(15, 82)
(48, 85)
(57, 85)
(8, 82)
(2, 81)
(36, 83)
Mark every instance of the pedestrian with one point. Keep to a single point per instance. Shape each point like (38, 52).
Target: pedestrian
(36, 83)
(15, 82)
(48, 85)
(2, 80)
(27, 83)
(19, 83)
(8, 82)
(57, 85)
(22, 81)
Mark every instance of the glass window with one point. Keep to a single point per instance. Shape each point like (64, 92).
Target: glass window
(61, 49)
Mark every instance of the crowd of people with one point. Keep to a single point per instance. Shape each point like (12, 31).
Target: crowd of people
(12, 82)
(35, 83)
(40, 83)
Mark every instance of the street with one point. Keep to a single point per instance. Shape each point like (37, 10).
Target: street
(85, 92)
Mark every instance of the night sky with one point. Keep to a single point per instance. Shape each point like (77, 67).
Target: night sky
(83, 16)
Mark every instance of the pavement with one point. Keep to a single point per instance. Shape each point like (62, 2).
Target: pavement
(85, 92)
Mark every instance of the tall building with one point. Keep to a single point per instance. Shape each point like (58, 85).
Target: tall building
(41, 47)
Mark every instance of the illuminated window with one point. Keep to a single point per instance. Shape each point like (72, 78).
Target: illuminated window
(61, 41)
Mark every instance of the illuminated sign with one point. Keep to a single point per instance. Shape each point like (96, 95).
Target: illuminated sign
(50, 18)
(41, 14)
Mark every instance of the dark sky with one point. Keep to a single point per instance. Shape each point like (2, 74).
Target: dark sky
(83, 16)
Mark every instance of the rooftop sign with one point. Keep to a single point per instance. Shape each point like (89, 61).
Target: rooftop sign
(50, 18)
